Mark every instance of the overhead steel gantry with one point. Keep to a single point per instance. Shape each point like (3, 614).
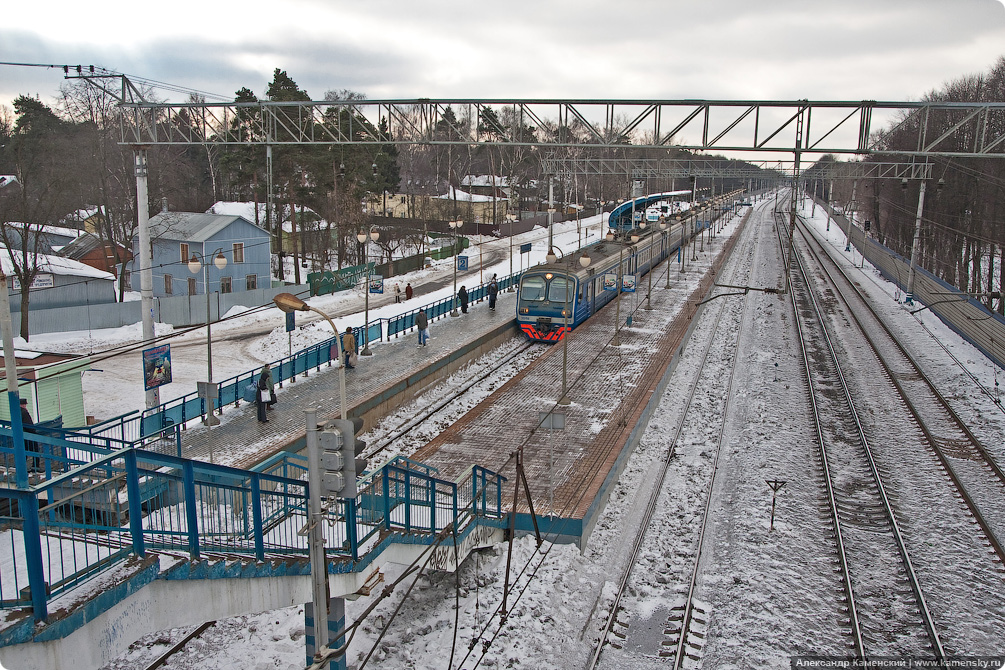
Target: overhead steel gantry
(947, 129)
(718, 168)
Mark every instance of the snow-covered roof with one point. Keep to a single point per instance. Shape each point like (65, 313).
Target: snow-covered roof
(233, 208)
(464, 196)
(191, 226)
(485, 180)
(56, 265)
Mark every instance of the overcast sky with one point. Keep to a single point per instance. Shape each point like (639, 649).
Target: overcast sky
(637, 49)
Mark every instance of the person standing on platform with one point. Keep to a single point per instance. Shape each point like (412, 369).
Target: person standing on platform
(348, 347)
(267, 375)
(397, 292)
(422, 324)
(408, 291)
(262, 397)
(462, 295)
(493, 292)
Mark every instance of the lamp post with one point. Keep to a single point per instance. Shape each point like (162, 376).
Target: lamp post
(196, 262)
(455, 227)
(649, 293)
(362, 238)
(663, 230)
(616, 342)
(511, 218)
(287, 302)
(584, 261)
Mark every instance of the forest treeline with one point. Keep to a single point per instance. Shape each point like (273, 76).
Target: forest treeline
(963, 219)
(66, 157)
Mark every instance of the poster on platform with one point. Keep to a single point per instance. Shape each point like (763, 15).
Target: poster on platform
(156, 367)
(628, 283)
(376, 283)
(610, 282)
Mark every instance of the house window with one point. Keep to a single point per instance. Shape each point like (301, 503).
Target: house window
(238, 252)
(252, 281)
(167, 285)
(184, 252)
(226, 285)
(192, 286)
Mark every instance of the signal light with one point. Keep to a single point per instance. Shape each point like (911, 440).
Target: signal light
(339, 463)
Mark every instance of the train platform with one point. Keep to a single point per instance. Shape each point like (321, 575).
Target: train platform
(573, 454)
(397, 370)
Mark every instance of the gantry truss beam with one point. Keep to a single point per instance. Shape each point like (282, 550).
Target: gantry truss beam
(705, 168)
(865, 127)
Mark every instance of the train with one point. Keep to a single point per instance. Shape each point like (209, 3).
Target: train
(557, 296)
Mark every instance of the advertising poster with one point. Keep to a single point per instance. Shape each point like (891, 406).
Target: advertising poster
(156, 367)
(376, 283)
(610, 282)
(628, 283)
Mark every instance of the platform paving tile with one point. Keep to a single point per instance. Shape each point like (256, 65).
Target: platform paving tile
(609, 386)
(241, 440)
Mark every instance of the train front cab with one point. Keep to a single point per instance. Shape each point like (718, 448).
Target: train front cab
(544, 297)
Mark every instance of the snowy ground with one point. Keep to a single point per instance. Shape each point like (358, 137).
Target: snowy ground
(767, 591)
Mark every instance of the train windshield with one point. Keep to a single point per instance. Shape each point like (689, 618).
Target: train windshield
(532, 288)
(559, 290)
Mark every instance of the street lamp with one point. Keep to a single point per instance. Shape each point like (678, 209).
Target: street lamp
(511, 218)
(584, 261)
(196, 262)
(362, 238)
(455, 227)
(287, 302)
(663, 230)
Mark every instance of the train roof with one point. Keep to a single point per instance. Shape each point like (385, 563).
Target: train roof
(621, 216)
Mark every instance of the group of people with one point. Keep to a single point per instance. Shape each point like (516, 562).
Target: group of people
(493, 292)
(397, 292)
(265, 397)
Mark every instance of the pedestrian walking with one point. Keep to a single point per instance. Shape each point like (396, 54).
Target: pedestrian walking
(348, 347)
(422, 324)
(397, 292)
(262, 397)
(267, 374)
(493, 292)
(408, 291)
(462, 295)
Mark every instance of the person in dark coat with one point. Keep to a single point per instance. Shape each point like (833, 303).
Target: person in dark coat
(462, 295)
(422, 324)
(493, 292)
(263, 390)
(267, 374)
(408, 291)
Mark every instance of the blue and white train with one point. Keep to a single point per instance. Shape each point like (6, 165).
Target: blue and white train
(556, 297)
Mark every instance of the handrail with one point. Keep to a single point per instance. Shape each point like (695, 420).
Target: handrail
(123, 502)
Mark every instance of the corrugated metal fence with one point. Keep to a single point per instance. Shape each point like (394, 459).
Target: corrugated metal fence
(969, 318)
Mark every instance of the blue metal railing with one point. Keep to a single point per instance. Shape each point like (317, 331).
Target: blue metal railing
(86, 517)
(135, 428)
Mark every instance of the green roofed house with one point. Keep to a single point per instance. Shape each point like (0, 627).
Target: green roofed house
(52, 384)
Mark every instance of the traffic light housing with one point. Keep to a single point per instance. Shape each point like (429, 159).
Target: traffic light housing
(339, 465)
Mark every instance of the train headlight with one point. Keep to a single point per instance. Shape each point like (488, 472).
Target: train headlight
(525, 310)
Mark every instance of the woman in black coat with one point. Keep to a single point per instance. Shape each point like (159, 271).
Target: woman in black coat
(462, 295)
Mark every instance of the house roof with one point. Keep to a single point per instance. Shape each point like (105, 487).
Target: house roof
(464, 196)
(192, 226)
(485, 180)
(56, 265)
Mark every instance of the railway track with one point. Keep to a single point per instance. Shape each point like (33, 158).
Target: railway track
(703, 422)
(411, 420)
(856, 367)
(885, 618)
